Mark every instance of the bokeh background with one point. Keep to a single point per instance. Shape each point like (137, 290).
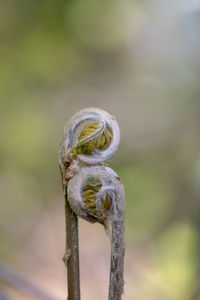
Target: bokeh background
(140, 61)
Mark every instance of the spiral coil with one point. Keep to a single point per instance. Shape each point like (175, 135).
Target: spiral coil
(94, 191)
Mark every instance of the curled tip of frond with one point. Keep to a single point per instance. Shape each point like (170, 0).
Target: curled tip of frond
(97, 141)
(93, 191)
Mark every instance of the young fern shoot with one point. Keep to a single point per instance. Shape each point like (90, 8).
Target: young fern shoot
(93, 191)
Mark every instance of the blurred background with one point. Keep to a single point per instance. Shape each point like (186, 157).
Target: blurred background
(140, 61)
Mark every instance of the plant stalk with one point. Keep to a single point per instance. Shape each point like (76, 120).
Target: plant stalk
(116, 285)
(71, 256)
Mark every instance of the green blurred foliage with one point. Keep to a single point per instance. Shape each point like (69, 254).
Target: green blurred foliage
(139, 61)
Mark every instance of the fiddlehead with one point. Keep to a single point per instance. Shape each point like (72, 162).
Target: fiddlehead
(97, 141)
(95, 192)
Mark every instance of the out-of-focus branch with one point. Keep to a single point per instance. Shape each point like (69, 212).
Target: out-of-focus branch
(20, 283)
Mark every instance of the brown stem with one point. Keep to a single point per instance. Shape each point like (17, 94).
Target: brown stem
(71, 256)
(116, 285)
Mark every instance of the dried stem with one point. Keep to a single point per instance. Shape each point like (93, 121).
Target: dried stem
(116, 285)
(71, 256)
